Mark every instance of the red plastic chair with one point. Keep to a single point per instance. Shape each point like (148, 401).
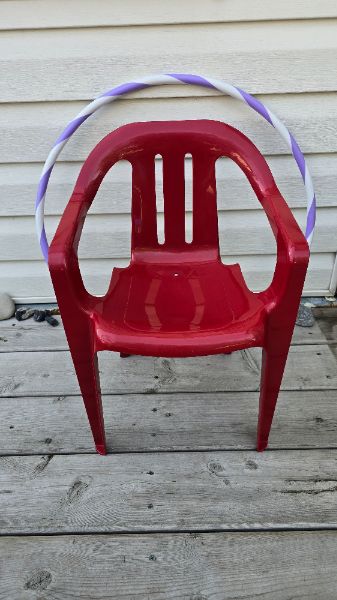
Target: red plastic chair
(177, 299)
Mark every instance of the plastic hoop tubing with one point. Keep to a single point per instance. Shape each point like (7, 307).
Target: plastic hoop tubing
(171, 79)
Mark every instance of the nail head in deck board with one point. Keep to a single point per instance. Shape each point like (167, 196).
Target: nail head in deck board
(217, 566)
(52, 373)
(219, 421)
(289, 489)
(28, 335)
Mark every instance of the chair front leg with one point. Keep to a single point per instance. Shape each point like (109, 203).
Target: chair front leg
(279, 330)
(80, 336)
(85, 361)
(274, 358)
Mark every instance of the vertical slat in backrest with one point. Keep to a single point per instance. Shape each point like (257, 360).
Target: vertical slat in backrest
(144, 213)
(205, 212)
(174, 198)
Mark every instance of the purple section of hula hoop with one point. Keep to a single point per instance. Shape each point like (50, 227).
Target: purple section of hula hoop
(42, 186)
(256, 105)
(44, 244)
(136, 86)
(311, 218)
(192, 79)
(71, 128)
(125, 88)
(298, 156)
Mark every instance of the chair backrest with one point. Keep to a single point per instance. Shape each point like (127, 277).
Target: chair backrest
(173, 144)
(206, 141)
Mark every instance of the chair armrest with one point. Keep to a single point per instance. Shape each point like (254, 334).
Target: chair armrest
(62, 258)
(292, 253)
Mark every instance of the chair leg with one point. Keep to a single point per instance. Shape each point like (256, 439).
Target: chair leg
(86, 366)
(273, 363)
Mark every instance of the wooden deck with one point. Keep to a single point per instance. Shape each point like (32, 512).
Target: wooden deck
(182, 507)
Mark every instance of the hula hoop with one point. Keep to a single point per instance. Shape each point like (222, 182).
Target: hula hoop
(171, 79)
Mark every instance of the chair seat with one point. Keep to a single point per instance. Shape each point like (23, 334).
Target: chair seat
(183, 308)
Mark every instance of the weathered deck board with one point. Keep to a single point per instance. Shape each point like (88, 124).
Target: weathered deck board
(217, 566)
(168, 492)
(52, 373)
(173, 426)
(31, 336)
(327, 322)
(147, 423)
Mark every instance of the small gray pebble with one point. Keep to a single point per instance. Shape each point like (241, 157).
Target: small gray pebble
(305, 317)
(39, 315)
(23, 313)
(7, 306)
(53, 322)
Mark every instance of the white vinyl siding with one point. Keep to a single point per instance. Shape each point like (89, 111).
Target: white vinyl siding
(57, 55)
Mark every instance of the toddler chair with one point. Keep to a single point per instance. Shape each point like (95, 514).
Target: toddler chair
(177, 299)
